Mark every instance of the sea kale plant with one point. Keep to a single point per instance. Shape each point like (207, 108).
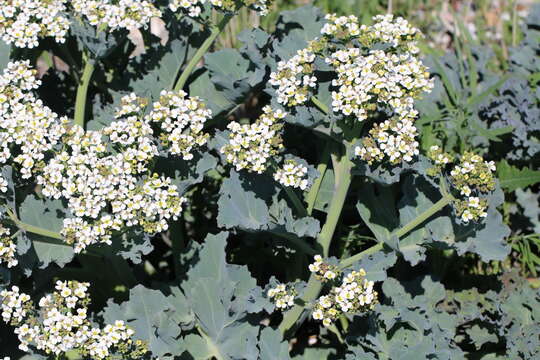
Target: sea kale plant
(161, 199)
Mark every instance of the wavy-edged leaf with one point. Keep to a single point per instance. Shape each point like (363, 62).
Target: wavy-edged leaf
(153, 316)
(512, 178)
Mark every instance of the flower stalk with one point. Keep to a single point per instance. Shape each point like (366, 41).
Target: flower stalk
(82, 90)
(343, 177)
(216, 30)
(435, 208)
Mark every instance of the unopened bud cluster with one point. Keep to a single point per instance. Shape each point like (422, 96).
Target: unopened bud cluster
(60, 324)
(472, 177)
(24, 22)
(282, 296)
(354, 295)
(323, 271)
(194, 8)
(439, 158)
(251, 146)
(181, 120)
(7, 248)
(292, 174)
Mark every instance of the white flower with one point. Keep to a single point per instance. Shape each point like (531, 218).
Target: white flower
(292, 174)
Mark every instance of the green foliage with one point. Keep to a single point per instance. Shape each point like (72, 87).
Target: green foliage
(198, 289)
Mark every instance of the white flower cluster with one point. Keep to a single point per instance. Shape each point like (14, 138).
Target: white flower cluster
(394, 139)
(376, 66)
(251, 146)
(322, 270)
(24, 22)
(341, 27)
(354, 295)
(96, 181)
(292, 174)
(282, 297)
(15, 305)
(473, 176)
(395, 31)
(294, 78)
(116, 14)
(7, 248)
(195, 7)
(60, 324)
(182, 119)
(381, 77)
(27, 127)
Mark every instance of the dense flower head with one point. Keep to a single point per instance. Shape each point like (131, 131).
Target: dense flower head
(282, 296)
(394, 140)
(377, 71)
(28, 128)
(292, 174)
(24, 22)
(194, 8)
(354, 295)
(322, 270)
(379, 77)
(7, 248)
(109, 190)
(60, 323)
(181, 120)
(116, 14)
(294, 78)
(251, 146)
(472, 177)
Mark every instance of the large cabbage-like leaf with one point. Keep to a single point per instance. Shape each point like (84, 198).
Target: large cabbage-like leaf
(153, 316)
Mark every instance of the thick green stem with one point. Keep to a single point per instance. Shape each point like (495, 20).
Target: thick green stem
(435, 208)
(82, 91)
(201, 51)
(343, 179)
(311, 197)
(342, 169)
